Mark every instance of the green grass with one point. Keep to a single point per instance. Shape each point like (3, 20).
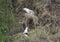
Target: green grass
(2, 37)
(6, 18)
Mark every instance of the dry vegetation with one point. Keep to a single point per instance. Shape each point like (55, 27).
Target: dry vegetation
(48, 13)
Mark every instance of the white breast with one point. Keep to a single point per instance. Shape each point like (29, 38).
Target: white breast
(26, 30)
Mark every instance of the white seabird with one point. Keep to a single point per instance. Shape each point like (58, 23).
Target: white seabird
(28, 11)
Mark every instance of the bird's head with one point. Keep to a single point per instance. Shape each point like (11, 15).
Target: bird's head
(25, 9)
(28, 11)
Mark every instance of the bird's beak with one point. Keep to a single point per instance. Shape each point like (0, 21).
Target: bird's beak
(23, 10)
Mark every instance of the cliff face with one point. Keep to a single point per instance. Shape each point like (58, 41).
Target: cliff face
(48, 13)
(42, 8)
